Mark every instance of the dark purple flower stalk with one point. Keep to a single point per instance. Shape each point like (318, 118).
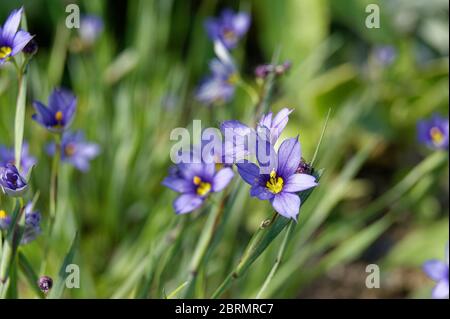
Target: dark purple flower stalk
(438, 271)
(433, 132)
(75, 150)
(12, 41)
(262, 71)
(195, 182)
(11, 182)
(279, 183)
(229, 28)
(27, 161)
(60, 111)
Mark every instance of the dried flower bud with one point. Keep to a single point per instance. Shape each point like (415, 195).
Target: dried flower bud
(304, 168)
(45, 284)
(31, 48)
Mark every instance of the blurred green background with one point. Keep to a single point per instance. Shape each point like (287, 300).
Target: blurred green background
(383, 198)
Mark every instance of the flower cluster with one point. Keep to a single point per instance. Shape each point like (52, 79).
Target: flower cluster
(225, 32)
(57, 118)
(279, 180)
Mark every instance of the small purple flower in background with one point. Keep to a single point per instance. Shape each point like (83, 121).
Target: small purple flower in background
(5, 220)
(282, 184)
(32, 224)
(75, 150)
(385, 55)
(60, 111)
(12, 41)
(27, 161)
(229, 28)
(438, 271)
(11, 182)
(262, 71)
(91, 27)
(220, 85)
(195, 182)
(433, 132)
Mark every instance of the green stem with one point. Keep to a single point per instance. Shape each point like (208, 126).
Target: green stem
(10, 246)
(204, 243)
(19, 117)
(287, 237)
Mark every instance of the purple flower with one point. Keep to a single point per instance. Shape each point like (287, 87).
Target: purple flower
(279, 183)
(241, 140)
(220, 85)
(385, 54)
(75, 150)
(5, 220)
(91, 27)
(12, 41)
(433, 132)
(26, 162)
(11, 182)
(229, 28)
(195, 182)
(60, 111)
(32, 224)
(276, 124)
(438, 271)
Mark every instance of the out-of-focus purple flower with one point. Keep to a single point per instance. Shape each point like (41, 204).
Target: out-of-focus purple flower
(386, 55)
(5, 220)
(32, 224)
(220, 85)
(58, 115)
(433, 132)
(26, 162)
(195, 182)
(237, 135)
(75, 150)
(262, 71)
(11, 182)
(91, 26)
(229, 28)
(12, 40)
(282, 184)
(438, 271)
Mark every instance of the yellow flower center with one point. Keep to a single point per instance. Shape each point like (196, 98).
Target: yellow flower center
(233, 78)
(229, 35)
(58, 116)
(69, 150)
(203, 188)
(436, 135)
(3, 214)
(275, 183)
(5, 52)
